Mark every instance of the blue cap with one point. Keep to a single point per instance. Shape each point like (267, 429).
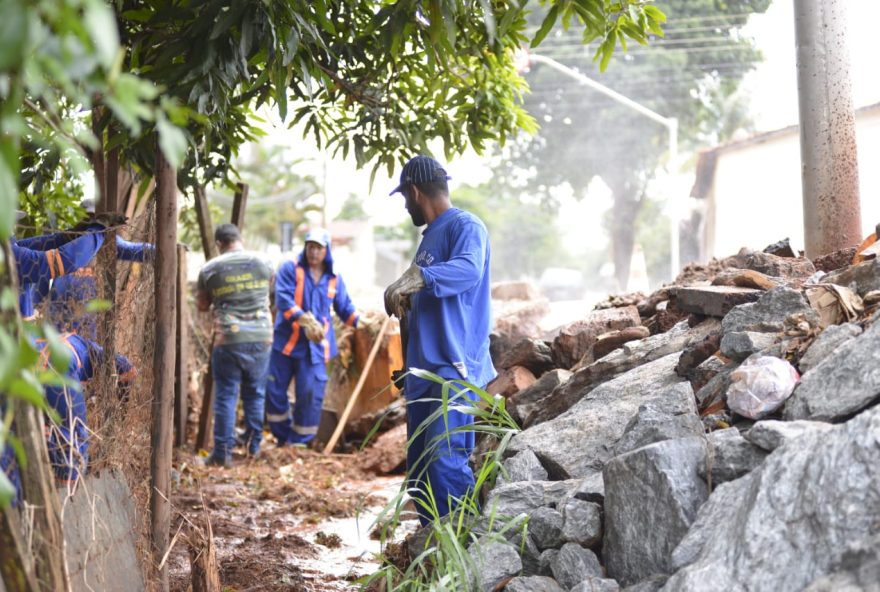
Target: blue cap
(318, 235)
(421, 169)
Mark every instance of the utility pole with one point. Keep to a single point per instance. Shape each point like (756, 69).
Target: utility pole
(829, 164)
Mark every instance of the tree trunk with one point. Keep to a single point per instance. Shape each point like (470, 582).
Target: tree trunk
(627, 204)
(106, 267)
(163, 358)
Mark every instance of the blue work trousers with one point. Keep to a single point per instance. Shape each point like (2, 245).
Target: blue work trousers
(237, 365)
(311, 379)
(438, 473)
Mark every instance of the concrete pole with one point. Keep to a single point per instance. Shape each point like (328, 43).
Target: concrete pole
(829, 165)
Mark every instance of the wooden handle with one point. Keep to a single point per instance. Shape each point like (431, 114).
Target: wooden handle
(357, 389)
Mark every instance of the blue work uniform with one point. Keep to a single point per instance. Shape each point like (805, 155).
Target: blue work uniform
(449, 324)
(42, 259)
(296, 293)
(70, 293)
(68, 440)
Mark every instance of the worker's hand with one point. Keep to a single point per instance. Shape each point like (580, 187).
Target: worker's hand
(397, 295)
(314, 330)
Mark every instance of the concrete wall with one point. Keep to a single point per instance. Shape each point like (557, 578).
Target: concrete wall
(756, 196)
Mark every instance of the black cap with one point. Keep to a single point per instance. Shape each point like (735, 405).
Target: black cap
(421, 169)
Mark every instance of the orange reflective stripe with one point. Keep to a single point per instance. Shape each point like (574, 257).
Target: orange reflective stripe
(50, 261)
(298, 299)
(331, 288)
(291, 311)
(351, 319)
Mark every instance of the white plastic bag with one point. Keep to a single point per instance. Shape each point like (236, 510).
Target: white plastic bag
(760, 386)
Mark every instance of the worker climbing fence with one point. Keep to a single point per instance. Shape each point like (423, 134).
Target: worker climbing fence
(102, 305)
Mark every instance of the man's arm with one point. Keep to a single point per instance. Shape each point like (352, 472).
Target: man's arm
(39, 267)
(343, 305)
(130, 251)
(285, 291)
(464, 269)
(203, 298)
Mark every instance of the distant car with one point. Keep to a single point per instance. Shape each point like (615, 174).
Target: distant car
(561, 283)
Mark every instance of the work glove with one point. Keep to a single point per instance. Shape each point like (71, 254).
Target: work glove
(313, 328)
(397, 295)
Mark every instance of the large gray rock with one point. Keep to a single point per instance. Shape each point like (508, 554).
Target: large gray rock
(574, 564)
(789, 521)
(524, 403)
(533, 584)
(523, 466)
(521, 497)
(651, 584)
(768, 314)
(545, 528)
(858, 570)
(595, 584)
(827, 341)
(581, 523)
(579, 442)
(729, 456)
(673, 416)
(739, 345)
(844, 383)
(546, 562)
(771, 434)
(863, 278)
(623, 360)
(651, 499)
(495, 561)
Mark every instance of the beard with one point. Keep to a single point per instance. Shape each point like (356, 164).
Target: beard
(416, 213)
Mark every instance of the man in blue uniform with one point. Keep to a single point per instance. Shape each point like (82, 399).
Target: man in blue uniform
(304, 340)
(68, 438)
(444, 299)
(236, 285)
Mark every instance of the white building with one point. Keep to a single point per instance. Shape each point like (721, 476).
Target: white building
(751, 189)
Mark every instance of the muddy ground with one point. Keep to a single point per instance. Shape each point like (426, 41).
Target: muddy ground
(293, 519)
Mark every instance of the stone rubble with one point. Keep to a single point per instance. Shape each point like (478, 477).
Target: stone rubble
(632, 473)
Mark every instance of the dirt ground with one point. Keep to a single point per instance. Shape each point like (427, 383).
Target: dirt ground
(292, 519)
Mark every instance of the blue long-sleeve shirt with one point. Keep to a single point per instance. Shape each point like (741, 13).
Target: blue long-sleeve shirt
(315, 297)
(451, 317)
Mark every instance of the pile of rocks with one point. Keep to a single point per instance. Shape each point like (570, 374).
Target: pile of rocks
(633, 472)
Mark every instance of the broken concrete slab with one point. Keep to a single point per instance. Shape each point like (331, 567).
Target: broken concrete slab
(790, 520)
(768, 314)
(771, 434)
(579, 442)
(827, 341)
(522, 404)
(674, 416)
(620, 361)
(851, 373)
(712, 301)
(577, 338)
(99, 536)
(863, 277)
(651, 499)
(533, 354)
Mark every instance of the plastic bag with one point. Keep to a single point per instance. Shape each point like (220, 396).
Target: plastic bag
(760, 386)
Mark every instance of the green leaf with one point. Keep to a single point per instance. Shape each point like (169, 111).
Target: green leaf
(13, 33)
(101, 26)
(28, 389)
(8, 186)
(172, 141)
(7, 491)
(98, 305)
(546, 26)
